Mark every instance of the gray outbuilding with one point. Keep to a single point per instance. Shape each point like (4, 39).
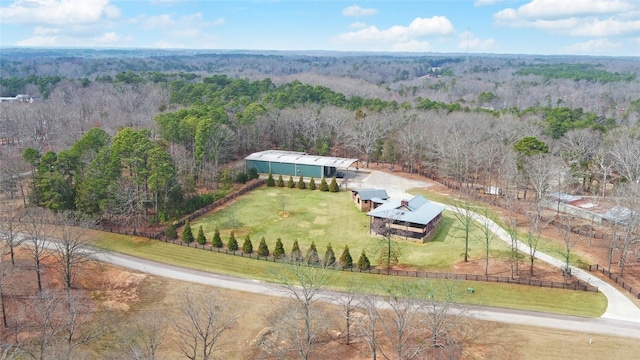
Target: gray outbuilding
(279, 162)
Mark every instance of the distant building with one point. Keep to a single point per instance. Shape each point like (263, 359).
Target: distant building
(369, 199)
(21, 98)
(417, 218)
(296, 164)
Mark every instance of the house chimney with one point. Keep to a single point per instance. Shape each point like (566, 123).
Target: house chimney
(404, 202)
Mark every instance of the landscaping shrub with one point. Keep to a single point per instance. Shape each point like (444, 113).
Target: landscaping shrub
(312, 254)
(278, 251)
(187, 234)
(270, 181)
(217, 240)
(296, 254)
(280, 181)
(171, 233)
(291, 184)
(345, 258)
(312, 184)
(247, 246)
(301, 184)
(241, 178)
(323, 185)
(201, 239)
(333, 187)
(253, 173)
(329, 256)
(233, 243)
(363, 261)
(263, 249)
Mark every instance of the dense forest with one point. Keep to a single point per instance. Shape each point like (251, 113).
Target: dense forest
(133, 135)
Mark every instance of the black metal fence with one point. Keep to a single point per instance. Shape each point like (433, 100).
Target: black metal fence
(618, 280)
(574, 284)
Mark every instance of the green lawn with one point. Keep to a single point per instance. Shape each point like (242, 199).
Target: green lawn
(332, 217)
(499, 295)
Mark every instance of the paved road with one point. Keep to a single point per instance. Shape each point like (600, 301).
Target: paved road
(619, 307)
(530, 318)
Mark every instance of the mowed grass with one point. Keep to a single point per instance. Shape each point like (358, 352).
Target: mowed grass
(326, 218)
(490, 294)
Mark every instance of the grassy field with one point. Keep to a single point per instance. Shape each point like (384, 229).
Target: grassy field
(499, 295)
(332, 218)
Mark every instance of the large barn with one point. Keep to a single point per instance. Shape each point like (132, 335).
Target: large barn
(293, 163)
(417, 218)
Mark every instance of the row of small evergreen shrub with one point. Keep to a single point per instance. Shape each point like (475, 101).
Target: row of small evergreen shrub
(311, 257)
(324, 186)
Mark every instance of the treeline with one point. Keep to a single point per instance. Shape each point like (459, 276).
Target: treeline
(575, 72)
(12, 86)
(120, 178)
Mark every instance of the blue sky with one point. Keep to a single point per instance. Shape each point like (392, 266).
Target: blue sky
(590, 27)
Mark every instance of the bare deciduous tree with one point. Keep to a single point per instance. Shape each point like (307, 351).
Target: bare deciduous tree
(36, 240)
(144, 336)
(201, 323)
(303, 285)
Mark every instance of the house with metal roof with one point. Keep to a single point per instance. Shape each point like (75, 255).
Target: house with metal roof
(417, 218)
(279, 162)
(369, 199)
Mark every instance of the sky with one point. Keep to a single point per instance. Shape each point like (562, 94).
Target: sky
(546, 27)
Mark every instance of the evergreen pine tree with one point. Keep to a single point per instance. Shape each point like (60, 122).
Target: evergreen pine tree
(312, 254)
(263, 249)
(312, 184)
(217, 240)
(345, 258)
(278, 251)
(363, 261)
(291, 184)
(233, 243)
(270, 181)
(329, 256)
(333, 187)
(301, 184)
(323, 185)
(201, 239)
(171, 233)
(247, 246)
(187, 234)
(296, 254)
(280, 181)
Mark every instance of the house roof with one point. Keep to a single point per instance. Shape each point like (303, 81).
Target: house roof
(293, 157)
(418, 210)
(619, 214)
(370, 194)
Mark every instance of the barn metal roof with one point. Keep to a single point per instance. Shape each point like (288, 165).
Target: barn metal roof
(300, 158)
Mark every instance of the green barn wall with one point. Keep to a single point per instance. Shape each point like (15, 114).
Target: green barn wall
(309, 171)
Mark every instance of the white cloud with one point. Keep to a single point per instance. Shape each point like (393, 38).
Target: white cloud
(608, 27)
(398, 34)
(554, 9)
(486, 2)
(437, 25)
(596, 46)
(355, 10)
(469, 41)
(358, 25)
(108, 39)
(58, 12)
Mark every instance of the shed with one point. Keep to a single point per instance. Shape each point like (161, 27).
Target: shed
(369, 199)
(417, 218)
(279, 162)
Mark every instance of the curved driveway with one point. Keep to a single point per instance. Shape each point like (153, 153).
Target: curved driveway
(619, 307)
(520, 317)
